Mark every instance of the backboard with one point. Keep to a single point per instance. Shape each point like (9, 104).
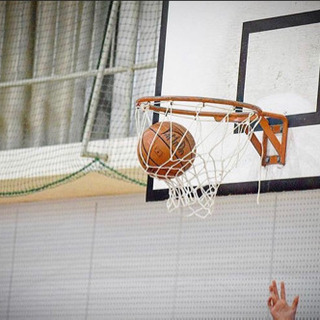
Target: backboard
(261, 52)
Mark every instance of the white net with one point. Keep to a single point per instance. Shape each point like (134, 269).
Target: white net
(220, 143)
(70, 72)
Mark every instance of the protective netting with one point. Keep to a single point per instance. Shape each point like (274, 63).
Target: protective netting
(70, 74)
(221, 138)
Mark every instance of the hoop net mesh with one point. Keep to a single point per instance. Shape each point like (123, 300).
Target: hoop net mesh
(219, 147)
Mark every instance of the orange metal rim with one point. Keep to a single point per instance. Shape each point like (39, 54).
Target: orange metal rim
(232, 117)
(268, 130)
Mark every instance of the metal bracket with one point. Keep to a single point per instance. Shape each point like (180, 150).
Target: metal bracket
(269, 136)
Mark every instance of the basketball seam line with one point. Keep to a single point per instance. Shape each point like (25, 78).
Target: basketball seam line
(156, 132)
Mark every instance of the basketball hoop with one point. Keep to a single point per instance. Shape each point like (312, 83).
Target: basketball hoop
(222, 130)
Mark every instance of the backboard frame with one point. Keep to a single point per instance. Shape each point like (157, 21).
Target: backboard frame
(287, 21)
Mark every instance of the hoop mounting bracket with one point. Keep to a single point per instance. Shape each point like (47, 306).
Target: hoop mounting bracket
(269, 135)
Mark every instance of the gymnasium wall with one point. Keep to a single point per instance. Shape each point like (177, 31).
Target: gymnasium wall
(118, 257)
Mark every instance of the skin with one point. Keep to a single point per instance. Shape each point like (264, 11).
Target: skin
(278, 306)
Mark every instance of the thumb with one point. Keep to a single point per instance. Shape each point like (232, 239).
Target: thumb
(270, 303)
(295, 302)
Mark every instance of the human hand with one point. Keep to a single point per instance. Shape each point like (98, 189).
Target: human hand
(279, 308)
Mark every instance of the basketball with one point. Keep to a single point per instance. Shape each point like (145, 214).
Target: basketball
(166, 150)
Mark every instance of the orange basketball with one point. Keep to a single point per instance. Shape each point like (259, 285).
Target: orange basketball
(166, 150)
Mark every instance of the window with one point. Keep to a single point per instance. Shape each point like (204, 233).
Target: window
(64, 64)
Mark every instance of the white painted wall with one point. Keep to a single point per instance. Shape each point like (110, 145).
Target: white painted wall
(122, 258)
